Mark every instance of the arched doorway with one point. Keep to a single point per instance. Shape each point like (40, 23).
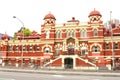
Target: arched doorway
(68, 63)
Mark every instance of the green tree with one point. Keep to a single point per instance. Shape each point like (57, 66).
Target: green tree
(15, 35)
(27, 32)
(24, 30)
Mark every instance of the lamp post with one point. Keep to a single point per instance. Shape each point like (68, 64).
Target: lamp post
(22, 39)
(112, 41)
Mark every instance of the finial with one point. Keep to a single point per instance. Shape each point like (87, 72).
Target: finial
(94, 9)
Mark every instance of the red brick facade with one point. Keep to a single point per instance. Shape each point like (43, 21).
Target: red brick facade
(74, 44)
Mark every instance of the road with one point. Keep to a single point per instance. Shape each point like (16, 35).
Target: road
(35, 76)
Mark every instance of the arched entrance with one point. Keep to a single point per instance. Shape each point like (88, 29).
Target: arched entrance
(68, 63)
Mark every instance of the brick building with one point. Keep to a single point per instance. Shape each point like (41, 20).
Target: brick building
(74, 44)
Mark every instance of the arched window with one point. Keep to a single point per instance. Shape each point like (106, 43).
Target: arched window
(17, 48)
(23, 48)
(10, 48)
(57, 51)
(31, 48)
(60, 33)
(83, 50)
(47, 50)
(84, 33)
(95, 49)
(37, 47)
(95, 33)
(74, 33)
(47, 35)
(67, 34)
(71, 33)
(57, 33)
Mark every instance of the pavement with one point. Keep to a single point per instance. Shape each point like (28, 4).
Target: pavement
(63, 72)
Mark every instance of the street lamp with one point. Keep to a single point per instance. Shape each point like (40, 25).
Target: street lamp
(22, 39)
(112, 40)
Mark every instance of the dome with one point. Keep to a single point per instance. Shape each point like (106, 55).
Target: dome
(49, 16)
(5, 36)
(92, 13)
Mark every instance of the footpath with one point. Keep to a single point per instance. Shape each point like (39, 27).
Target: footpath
(63, 72)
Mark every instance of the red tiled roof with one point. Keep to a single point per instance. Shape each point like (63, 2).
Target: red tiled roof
(92, 13)
(49, 16)
(5, 36)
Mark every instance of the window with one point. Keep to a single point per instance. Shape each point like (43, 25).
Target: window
(57, 51)
(57, 34)
(60, 34)
(23, 47)
(47, 50)
(83, 50)
(95, 49)
(81, 33)
(116, 46)
(84, 33)
(74, 34)
(95, 33)
(71, 33)
(47, 35)
(10, 48)
(31, 48)
(37, 48)
(17, 48)
(67, 34)
(107, 46)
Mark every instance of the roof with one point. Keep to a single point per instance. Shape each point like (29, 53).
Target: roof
(94, 12)
(49, 16)
(73, 20)
(5, 36)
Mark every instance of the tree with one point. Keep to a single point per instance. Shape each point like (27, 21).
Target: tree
(24, 30)
(27, 32)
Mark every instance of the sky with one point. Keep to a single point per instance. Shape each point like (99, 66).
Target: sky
(32, 12)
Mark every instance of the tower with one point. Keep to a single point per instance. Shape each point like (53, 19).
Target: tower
(48, 28)
(95, 17)
(49, 19)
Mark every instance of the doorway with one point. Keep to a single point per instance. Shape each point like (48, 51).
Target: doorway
(68, 63)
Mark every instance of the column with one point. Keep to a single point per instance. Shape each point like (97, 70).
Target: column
(3, 62)
(17, 62)
(74, 63)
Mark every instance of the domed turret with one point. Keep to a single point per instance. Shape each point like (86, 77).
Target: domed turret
(49, 16)
(95, 17)
(95, 13)
(49, 19)
(5, 37)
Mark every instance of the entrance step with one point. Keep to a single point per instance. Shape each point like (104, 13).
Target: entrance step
(86, 61)
(51, 61)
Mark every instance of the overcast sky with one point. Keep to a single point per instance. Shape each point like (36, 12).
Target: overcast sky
(32, 12)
